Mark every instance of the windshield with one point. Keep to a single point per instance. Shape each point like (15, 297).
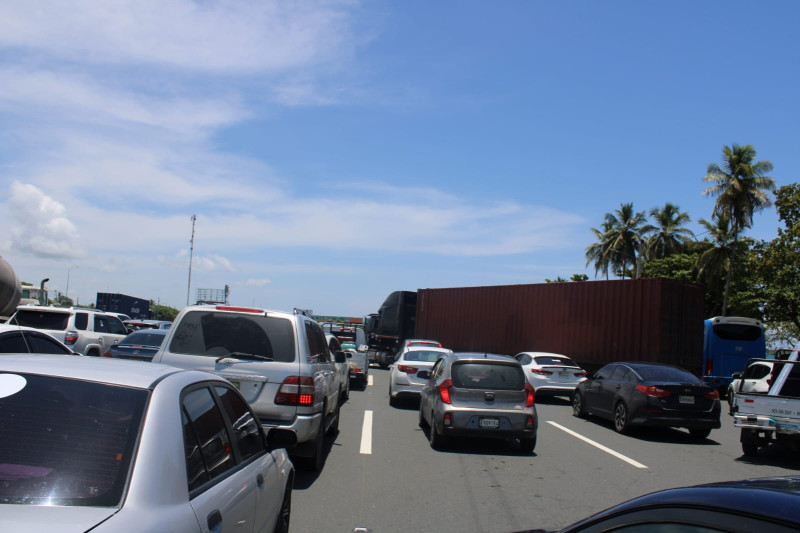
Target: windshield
(666, 373)
(66, 441)
(555, 361)
(217, 334)
(41, 319)
(495, 376)
(144, 338)
(428, 356)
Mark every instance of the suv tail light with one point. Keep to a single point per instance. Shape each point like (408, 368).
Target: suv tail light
(407, 369)
(531, 392)
(70, 337)
(652, 391)
(444, 390)
(296, 390)
(541, 372)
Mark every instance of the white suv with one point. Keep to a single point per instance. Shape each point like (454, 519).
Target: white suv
(85, 331)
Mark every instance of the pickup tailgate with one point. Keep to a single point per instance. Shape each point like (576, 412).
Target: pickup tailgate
(767, 413)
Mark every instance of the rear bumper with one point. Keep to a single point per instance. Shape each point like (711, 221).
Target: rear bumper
(305, 426)
(667, 419)
(406, 390)
(467, 423)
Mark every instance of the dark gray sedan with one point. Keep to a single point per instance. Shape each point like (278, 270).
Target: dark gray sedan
(649, 394)
(141, 345)
(478, 395)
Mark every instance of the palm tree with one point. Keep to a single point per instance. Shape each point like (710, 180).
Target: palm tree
(625, 240)
(716, 250)
(669, 236)
(742, 188)
(598, 252)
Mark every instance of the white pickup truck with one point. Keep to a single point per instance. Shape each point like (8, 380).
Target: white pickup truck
(771, 416)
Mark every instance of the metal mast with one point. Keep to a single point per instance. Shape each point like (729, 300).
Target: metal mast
(191, 253)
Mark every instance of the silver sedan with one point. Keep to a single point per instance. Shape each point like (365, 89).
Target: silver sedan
(110, 445)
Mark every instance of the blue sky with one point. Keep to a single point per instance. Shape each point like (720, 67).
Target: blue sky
(336, 151)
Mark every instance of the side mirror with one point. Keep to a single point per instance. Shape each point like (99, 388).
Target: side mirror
(737, 375)
(424, 374)
(339, 357)
(280, 438)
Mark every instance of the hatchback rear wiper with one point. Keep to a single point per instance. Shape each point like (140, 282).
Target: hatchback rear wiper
(242, 355)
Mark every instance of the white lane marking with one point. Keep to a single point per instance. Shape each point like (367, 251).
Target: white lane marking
(369, 380)
(598, 445)
(366, 434)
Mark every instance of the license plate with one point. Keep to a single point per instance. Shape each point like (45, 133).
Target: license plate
(563, 374)
(489, 422)
(686, 399)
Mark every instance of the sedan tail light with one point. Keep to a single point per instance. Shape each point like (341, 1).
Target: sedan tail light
(712, 395)
(580, 374)
(444, 390)
(296, 390)
(531, 393)
(541, 372)
(70, 337)
(407, 369)
(652, 391)
(107, 353)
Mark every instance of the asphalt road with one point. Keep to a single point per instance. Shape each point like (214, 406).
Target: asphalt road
(387, 478)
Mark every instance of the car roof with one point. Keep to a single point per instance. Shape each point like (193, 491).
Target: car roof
(14, 327)
(481, 356)
(427, 349)
(547, 354)
(99, 369)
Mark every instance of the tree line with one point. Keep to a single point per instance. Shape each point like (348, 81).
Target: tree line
(742, 276)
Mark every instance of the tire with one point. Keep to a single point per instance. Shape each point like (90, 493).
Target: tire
(434, 438)
(315, 462)
(730, 401)
(577, 405)
(621, 423)
(422, 422)
(699, 433)
(282, 524)
(392, 400)
(345, 395)
(749, 443)
(527, 445)
(334, 429)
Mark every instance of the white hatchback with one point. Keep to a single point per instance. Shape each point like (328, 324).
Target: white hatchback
(551, 373)
(404, 381)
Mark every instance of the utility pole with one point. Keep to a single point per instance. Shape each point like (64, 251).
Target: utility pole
(191, 253)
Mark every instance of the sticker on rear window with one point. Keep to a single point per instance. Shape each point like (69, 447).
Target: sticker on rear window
(10, 384)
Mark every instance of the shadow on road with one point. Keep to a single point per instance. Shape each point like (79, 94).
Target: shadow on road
(305, 477)
(656, 434)
(774, 454)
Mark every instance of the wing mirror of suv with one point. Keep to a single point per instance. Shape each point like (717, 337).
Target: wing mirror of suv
(340, 357)
(279, 438)
(424, 374)
(736, 375)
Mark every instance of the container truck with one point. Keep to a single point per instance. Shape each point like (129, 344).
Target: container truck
(138, 308)
(390, 326)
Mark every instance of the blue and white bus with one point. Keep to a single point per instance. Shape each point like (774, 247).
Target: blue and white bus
(729, 341)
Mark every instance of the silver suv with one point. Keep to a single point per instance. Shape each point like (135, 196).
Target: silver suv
(478, 395)
(279, 361)
(85, 331)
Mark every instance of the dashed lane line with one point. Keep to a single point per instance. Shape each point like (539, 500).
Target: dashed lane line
(366, 434)
(369, 380)
(598, 446)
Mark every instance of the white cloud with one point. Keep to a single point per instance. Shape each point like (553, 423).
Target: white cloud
(257, 282)
(38, 224)
(208, 36)
(212, 263)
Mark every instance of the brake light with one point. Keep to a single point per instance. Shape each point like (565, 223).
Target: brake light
(407, 369)
(531, 392)
(541, 372)
(712, 395)
(238, 309)
(444, 390)
(652, 391)
(296, 390)
(580, 374)
(107, 353)
(529, 423)
(448, 419)
(70, 337)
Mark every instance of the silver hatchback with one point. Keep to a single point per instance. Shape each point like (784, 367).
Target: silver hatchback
(478, 395)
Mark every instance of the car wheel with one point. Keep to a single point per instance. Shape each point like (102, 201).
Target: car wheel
(436, 440)
(528, 445)
(282, 525)
(346, 392)
(334, 429)
(422, 422)
(699, 433)
(577, 405)
(749, 443)
(621, 418)
(392, 400)
(315, 462)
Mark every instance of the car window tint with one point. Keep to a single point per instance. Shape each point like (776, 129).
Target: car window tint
(666, 373)
(487, 376)
(41, 344)
(246, 430)
(619, 373)
(437, 369)
(144, 337)
(100, 324)
(605, 372)
(758, 371)
(68, 441)
(317, 347)
(554, 361)
(424, 356)
(41, 319)
(115, 326)
(215, 334)
(334, 345)
(81, 321)
(196, 472)
(209, 427)
(13, 343)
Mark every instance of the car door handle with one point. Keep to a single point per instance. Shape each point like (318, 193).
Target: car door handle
(214, 519)
(260, 481)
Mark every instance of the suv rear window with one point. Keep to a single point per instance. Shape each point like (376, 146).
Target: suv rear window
(485, 375)
(67, 441)
(217, 334)
(42, 319)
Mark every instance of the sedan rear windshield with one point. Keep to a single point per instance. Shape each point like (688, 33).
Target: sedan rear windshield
(217, 334)
(554, 361)
(427, 356)
(144, 338)
(667, 374)
(41, 319)
(496, 376)
(66, 441)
